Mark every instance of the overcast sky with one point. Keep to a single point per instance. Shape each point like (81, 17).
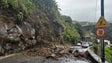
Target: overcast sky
(85, 10)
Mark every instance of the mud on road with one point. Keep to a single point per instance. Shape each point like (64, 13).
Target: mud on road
(47, 54)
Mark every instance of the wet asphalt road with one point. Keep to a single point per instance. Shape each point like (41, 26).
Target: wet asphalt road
(26, 59)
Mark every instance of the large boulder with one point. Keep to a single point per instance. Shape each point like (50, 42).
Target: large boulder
(3, 31)
(27, 30)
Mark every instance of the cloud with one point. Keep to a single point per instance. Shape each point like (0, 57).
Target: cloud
(84, 10)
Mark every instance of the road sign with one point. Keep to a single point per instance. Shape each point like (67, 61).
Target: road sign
(100, 32)
(101, 22)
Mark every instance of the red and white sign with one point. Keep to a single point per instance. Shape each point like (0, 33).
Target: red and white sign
(100, 32)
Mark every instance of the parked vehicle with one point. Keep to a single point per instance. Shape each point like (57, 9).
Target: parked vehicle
(79, 43)
(90, 43)
(85, 44)
(75, 48)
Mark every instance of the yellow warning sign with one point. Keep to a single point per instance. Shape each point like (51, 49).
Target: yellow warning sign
(101, 23)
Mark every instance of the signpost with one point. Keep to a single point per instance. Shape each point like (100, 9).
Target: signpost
(100, 32)
(101, 24)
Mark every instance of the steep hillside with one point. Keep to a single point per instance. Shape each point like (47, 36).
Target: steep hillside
(25, 23)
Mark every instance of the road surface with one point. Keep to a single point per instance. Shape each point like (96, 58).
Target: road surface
(26, 59)
(20, 58)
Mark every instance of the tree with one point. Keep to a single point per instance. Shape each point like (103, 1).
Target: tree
(67, 19)
(78, 27)
(3, 4)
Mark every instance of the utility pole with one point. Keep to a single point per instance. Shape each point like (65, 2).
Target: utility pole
(102, 38)
(101, 29)
(102, 8)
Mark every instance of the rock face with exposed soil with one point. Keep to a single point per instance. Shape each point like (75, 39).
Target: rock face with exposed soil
(17, 35)
(14, 40)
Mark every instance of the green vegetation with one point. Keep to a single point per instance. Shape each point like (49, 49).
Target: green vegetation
(4, 4)
(108, 55)
(67, 19)
(21, 8)
(22, 5)
(20, 16)
(79, 29)
(108, 52)
(70, 34)
(97, 48)
(44, 12)
(50, 9)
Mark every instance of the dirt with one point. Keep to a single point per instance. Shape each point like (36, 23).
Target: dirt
(52, 51)
(43, 49)
(49, 53)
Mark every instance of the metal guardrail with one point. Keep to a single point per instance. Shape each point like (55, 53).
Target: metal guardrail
(95, 58)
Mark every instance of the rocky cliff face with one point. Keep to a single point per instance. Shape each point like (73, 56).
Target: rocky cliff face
(20, 30)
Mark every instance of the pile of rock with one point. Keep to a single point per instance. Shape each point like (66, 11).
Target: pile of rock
(12, 39)
(47, 51)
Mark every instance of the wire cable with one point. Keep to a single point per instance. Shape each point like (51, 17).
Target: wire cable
(96, 8)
